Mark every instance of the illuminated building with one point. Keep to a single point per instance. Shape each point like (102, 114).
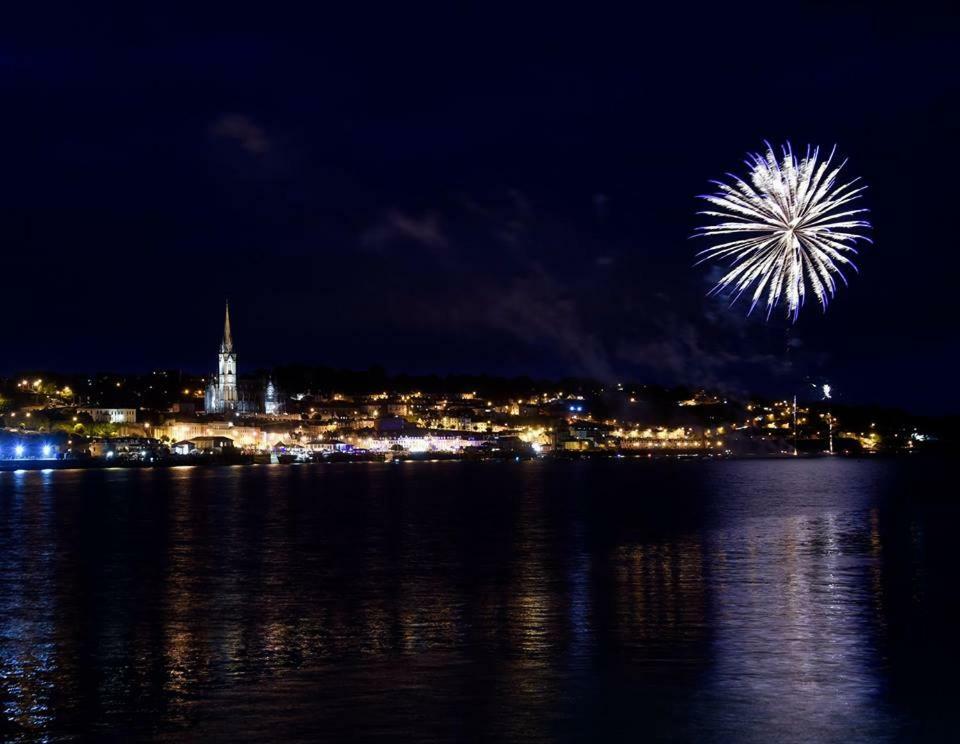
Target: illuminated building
(270, 403)
(222, 391)
(226, 393)
(212, 444)
(110, 415)
(421, 440)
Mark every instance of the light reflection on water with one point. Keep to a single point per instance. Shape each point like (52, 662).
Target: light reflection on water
(752, 601)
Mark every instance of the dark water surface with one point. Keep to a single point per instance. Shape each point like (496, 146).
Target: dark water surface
(748, 601)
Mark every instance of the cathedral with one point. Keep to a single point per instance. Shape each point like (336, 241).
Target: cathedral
(226, 393)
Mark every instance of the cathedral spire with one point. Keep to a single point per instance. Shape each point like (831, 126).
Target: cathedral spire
(227, 344)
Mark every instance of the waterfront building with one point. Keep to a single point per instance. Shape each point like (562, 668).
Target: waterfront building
(212, 444)
(126, 448)
(421, 440)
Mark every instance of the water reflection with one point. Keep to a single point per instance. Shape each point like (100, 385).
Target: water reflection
(747, 601)
(793, 623)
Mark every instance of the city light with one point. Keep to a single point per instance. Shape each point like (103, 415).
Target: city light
(384, 423)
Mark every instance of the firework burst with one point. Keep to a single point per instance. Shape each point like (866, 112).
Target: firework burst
(790, 231)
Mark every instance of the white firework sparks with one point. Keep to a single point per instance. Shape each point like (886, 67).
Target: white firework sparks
(791, 231)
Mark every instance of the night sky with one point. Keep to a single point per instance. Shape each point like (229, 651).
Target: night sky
(507, 190)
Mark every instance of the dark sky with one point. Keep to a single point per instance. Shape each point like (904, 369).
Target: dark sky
(433, 188)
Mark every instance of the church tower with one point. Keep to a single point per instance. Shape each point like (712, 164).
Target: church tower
(227, 377)
(271, 405)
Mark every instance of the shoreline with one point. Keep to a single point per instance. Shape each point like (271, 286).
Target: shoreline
(14, 466)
